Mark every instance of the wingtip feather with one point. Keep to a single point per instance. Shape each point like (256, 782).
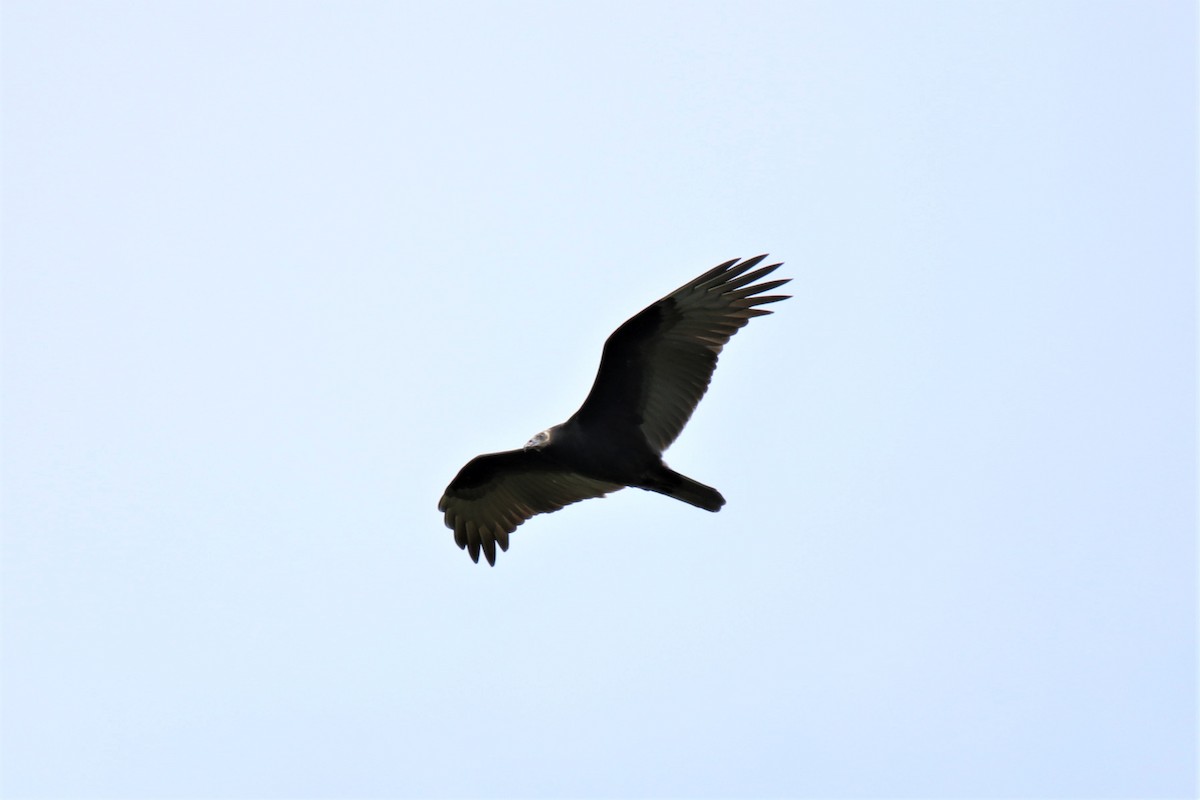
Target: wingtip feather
(770, 298)
(722, 274)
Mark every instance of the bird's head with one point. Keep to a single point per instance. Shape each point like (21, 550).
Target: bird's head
(540, 440)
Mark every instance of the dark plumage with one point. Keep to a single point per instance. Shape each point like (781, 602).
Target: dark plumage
(654, 370)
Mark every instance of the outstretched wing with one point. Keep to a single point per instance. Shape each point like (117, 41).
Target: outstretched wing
(495, 493)
(657, 366)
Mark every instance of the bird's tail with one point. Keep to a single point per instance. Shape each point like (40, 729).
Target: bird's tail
(669, 482)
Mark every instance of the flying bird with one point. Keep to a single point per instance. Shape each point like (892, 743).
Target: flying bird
(653, 372)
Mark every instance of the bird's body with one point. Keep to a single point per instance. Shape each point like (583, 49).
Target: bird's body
(653, 372)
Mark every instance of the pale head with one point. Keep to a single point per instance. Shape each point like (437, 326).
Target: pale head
(539, 441)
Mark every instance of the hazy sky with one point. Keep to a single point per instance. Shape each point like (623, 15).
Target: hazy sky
(273, 271)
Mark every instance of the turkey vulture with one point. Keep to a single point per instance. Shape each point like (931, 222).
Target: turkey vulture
(653, 372)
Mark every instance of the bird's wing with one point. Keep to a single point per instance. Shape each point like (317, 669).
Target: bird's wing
(495, 493)
(657, 366)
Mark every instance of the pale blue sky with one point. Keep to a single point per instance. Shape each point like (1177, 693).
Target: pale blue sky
(273, 271)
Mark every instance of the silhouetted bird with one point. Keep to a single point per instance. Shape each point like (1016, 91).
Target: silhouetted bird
(654, 370)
